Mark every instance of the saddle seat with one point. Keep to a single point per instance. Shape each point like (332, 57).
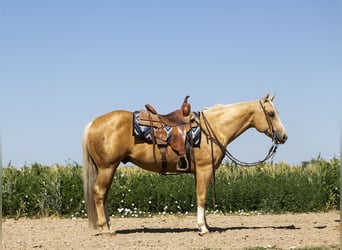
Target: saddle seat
(172, 119)
(181, 122)
(175, 118)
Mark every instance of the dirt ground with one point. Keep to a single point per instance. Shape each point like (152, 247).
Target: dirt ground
(287, 231)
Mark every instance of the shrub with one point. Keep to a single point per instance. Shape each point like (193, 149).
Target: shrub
(39, 190)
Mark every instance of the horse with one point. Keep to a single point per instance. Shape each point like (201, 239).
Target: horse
(108, 140)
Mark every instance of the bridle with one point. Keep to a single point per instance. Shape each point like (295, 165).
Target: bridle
(209, 132)
(269, 122)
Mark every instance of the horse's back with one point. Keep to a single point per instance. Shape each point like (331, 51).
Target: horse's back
(113, 118)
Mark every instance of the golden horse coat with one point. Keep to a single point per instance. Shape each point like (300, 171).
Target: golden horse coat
(108, 141)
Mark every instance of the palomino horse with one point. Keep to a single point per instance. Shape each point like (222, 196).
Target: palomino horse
(108, 141)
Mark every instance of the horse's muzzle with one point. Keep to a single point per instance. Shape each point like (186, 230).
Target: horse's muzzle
(281, 139)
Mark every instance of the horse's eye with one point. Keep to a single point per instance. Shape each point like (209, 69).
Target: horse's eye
(271, 114)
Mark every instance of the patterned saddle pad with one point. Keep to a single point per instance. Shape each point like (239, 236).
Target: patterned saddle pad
(144, 132)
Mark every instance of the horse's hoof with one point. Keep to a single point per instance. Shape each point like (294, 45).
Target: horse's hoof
(108, 234)
(204, 234)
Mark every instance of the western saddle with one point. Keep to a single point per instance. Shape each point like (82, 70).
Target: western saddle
(181, 121)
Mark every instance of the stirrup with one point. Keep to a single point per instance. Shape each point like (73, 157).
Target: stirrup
(183, 164)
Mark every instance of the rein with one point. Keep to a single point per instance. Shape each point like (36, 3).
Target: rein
(209, 132)
(212, 137)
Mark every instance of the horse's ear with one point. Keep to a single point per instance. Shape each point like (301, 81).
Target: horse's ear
(272, 98)
(265, 98)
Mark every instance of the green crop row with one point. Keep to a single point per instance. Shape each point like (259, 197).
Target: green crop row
(38, 190)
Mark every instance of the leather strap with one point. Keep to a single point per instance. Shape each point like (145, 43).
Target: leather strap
(163, 159)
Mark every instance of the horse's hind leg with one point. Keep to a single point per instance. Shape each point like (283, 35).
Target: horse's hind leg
(101, 188)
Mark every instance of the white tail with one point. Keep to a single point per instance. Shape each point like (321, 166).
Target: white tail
(89, 177)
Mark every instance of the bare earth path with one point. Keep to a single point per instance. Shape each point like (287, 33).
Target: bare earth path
(287, 231)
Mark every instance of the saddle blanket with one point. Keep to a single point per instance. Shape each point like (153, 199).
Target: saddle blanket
(144, 132)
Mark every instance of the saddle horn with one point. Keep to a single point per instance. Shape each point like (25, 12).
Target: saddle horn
(186, 108)
(151, 109)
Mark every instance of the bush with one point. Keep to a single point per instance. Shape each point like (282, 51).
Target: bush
(42, 191)
(39, 190)
(280, 187)
(140, 193)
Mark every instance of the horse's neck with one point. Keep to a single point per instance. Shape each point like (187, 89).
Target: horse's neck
(230, 121)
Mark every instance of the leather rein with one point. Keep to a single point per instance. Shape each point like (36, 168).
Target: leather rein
(212, 137)
(209, 132)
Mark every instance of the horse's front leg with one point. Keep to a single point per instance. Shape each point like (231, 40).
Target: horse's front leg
(201, 221)
(203, 176)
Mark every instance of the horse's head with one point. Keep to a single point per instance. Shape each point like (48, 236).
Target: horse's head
(267, 120)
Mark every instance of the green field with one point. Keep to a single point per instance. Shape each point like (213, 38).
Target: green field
(37, 190)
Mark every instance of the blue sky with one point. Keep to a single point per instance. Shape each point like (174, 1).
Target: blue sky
(65, 62)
